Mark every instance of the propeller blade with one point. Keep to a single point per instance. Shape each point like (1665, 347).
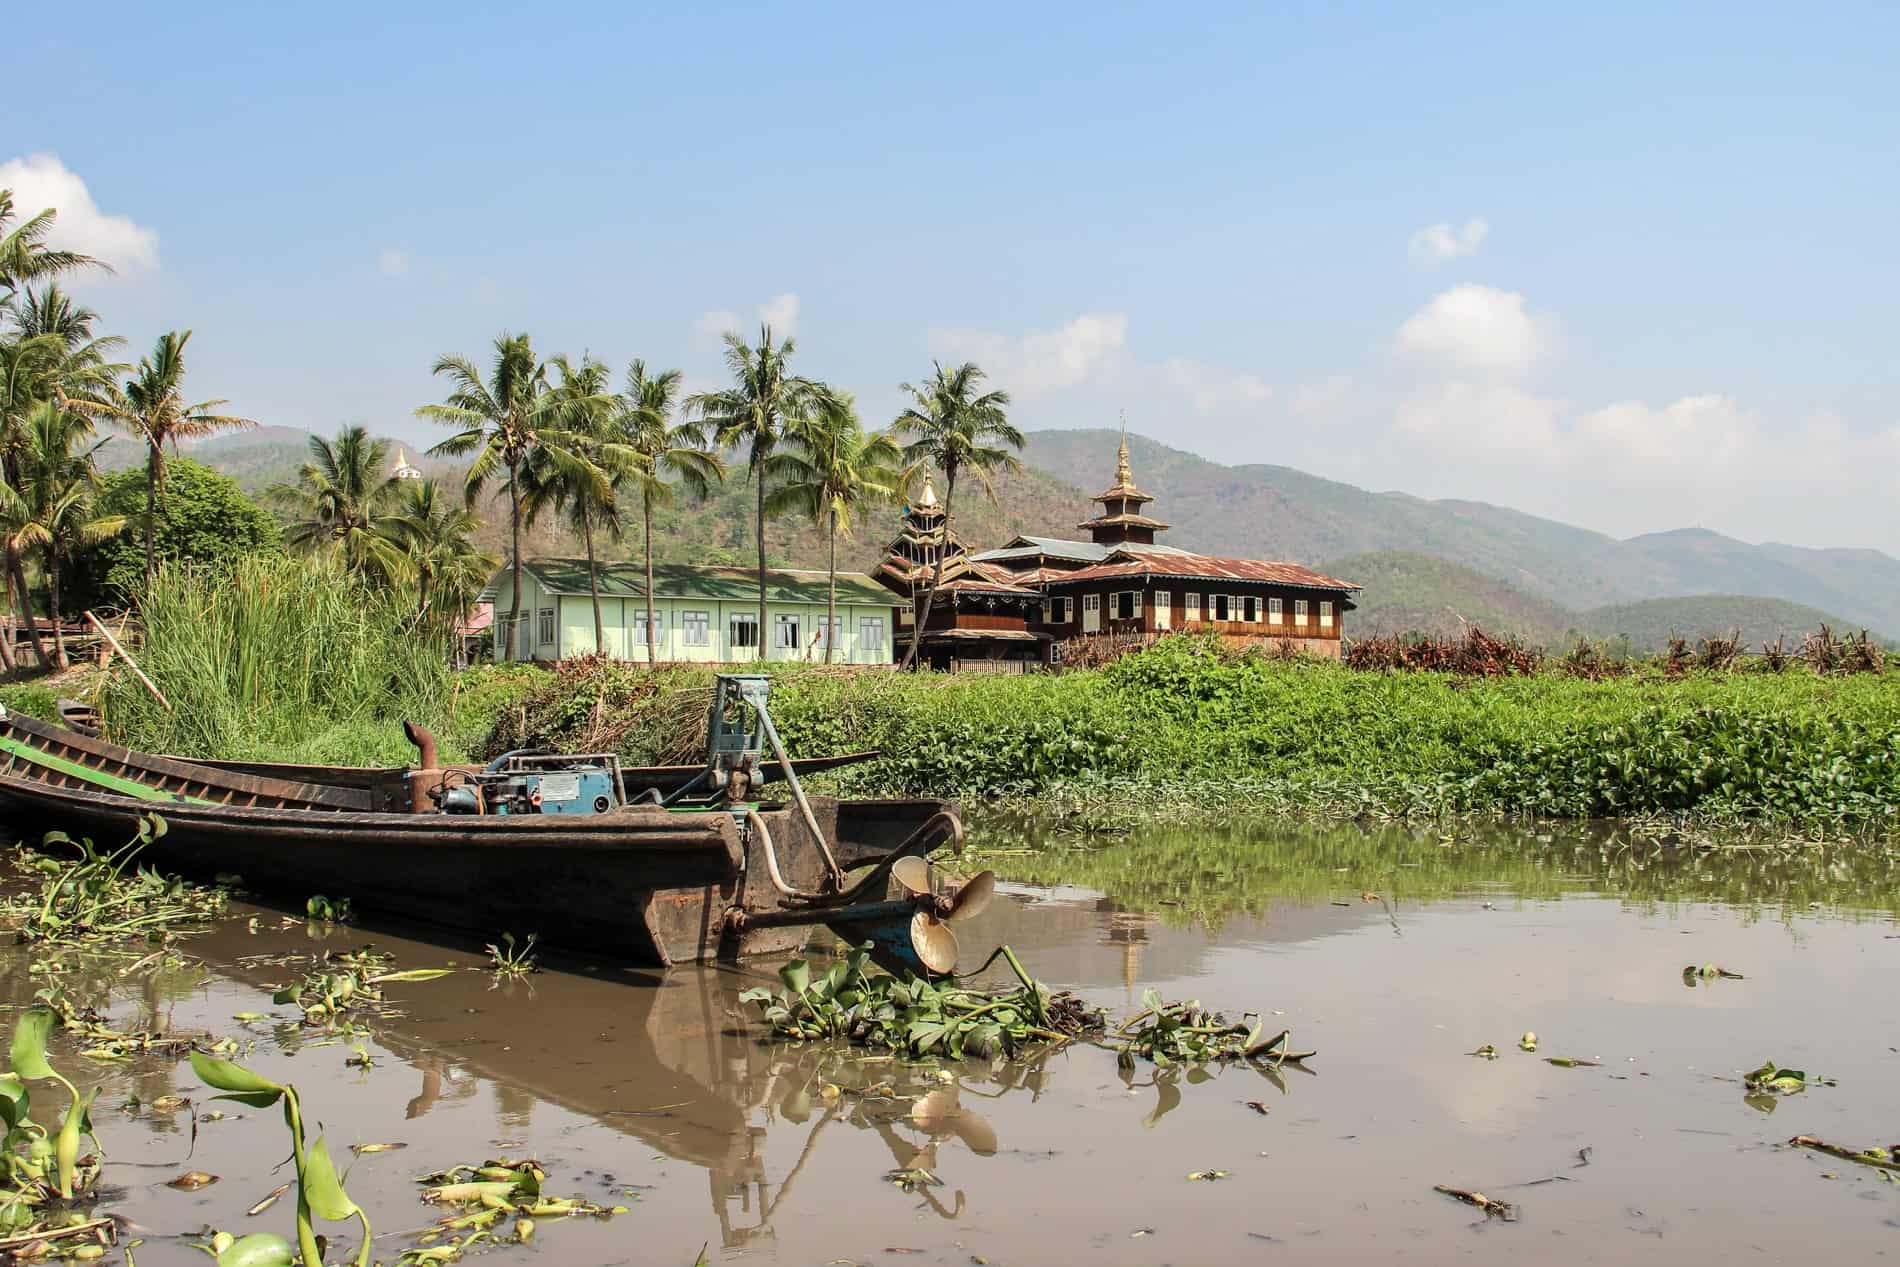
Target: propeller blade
(973, 897)
(975, 1131)
(935, 944)
(913, 873)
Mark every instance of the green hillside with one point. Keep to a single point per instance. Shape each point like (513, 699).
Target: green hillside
(1276, 512)
(1650, 624)
(1406, 591)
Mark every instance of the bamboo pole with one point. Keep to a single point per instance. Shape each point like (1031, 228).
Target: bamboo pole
(133, 664)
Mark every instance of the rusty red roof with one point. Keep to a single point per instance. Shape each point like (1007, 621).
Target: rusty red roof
(1200, 567)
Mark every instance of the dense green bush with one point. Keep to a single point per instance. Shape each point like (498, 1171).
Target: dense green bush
(206, 519)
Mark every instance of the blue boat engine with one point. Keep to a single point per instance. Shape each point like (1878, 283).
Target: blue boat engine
(536, 782)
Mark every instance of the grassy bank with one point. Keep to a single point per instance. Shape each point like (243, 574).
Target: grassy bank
(1186, 725)
(271, 669)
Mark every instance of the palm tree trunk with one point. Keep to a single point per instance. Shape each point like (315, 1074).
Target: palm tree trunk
(593, 582)
(17, 575)
(514, 519)
(761, 519)
(6, 649)
(646, 512)
(936, 576)
(152, 463)
(52, 596)
(831, 595)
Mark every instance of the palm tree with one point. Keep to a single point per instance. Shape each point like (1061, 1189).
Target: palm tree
(439, 534)
(24, 255)
(505, 421)
(762, 402)
(830, 470)
(662, 448)
(53, 506)
(957, 430)
(341, 499)
(151, 407)
(584, 409)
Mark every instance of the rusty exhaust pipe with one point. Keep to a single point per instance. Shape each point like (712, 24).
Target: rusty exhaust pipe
(428, 771)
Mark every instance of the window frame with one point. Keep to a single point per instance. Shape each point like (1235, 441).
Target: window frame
(547, 627)
(734, 620)
(1325, 613)
(1250, 608)
(695, 622)
(1299, 612)
(782, 622)
(1276, 610)
(1191, 609)
(1220, 608)
(871, 633)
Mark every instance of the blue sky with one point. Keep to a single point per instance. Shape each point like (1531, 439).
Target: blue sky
(1629, 269)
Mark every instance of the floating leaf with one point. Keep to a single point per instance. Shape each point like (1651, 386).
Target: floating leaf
(191, 1181)
(269, 1200)
(1528, 1042)
(259, 1249)
(363, 1150)
(29, 1043)
(1487, 1052)
(1206, 1176)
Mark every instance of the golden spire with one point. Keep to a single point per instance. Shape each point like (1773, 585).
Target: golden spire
(929, 500)
(1122, 478)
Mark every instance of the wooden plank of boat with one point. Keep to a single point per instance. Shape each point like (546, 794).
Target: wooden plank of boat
(66, 758)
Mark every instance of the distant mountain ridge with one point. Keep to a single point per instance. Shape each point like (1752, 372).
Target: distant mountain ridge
(1424, 562)
(1263, 511)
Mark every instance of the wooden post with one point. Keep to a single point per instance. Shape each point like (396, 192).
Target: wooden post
(130, 662)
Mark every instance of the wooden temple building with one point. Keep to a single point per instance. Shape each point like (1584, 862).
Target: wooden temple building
(1015, 606)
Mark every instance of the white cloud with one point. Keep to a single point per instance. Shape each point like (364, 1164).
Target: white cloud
(1041, 361)
(391, 262)
(781, 314)
(716, 322)
(1211, 388)
(1442, 241)
(1475, 328)
(39, 181)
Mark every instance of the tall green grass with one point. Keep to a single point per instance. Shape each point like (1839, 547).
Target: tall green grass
(277, 658)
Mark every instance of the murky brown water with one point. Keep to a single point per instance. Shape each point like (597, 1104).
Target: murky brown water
(649, 1089)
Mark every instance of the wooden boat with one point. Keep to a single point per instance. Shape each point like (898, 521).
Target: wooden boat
(659, 878)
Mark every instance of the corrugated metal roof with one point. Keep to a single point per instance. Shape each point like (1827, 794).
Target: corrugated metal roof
(684, 580)
(1204, 566)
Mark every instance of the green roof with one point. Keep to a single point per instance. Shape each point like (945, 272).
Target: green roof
(684, 580)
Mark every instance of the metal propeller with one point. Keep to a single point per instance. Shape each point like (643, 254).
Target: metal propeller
(930, 933)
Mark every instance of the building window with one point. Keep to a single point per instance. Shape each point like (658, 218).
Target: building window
(637, 629)
(742, 630)
(1299, 611)
(695, 629)
(784, 632)
(1164, 605)
(1325, 615)
(1127, 605)
(1218, 606)
(1193, 607)
(1091, 602)
(1276, 610)
(1250, 609)
(546, 631)
(1059, 611)
(837, 634)
(870, 633)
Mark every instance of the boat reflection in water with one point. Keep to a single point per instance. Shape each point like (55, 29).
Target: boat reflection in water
(672, 1059)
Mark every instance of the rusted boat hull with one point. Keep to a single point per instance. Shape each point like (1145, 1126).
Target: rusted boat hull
(641, 884)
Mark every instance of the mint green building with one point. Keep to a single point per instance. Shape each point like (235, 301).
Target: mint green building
(704, 614)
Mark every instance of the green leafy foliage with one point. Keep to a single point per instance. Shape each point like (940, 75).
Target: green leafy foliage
(38, 1166)
(346, 981)
(1188, 1034)
(484, 1196)
(206, 519)
(914, 1017)
(102, 897)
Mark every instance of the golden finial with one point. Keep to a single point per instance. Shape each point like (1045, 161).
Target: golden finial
(1122, 477)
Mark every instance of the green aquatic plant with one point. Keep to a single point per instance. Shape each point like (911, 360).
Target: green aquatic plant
(320, 1193)
(40, 1165)
(1188, 1034)
(509, 960)
(487, 1195)
(916, 1017)
(325, 910)
(346, 981)
(107, 895)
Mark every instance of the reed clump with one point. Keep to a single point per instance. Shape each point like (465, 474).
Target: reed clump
(277, 658)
